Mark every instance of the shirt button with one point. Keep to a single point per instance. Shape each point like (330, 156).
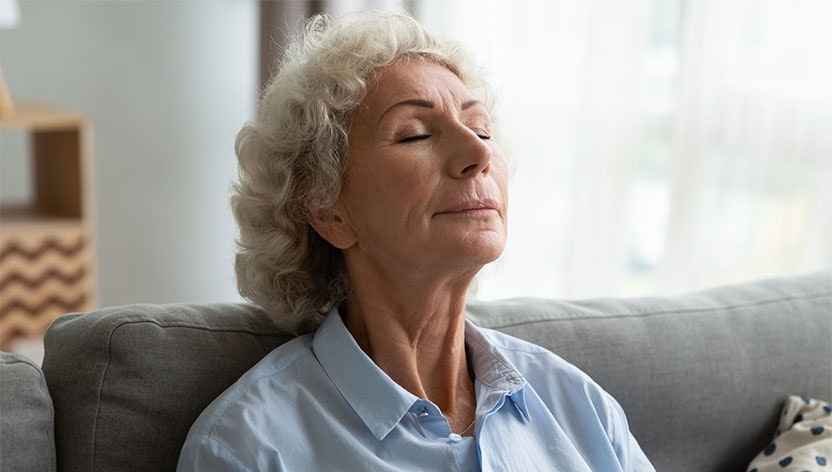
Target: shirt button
(423, 412)
(455, 437)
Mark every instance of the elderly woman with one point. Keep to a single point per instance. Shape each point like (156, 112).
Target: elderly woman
(371, 193)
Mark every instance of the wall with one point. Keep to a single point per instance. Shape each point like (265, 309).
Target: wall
(166, 86)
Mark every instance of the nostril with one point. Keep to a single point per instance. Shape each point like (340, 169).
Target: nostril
(470, 168)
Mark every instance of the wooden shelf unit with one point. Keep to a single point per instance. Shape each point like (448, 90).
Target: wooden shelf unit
(46, 251)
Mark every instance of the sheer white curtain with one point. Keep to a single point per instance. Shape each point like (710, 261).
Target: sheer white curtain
(751, 175)
(659, 145)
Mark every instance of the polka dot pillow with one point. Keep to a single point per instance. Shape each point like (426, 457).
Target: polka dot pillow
(803, 441)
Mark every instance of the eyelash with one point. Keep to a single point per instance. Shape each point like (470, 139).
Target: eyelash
(420, 137)
(414, 138)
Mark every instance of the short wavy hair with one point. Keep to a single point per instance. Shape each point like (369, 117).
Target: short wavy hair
(293, 157)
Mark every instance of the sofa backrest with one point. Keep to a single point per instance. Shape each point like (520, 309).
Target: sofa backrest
(701, 376)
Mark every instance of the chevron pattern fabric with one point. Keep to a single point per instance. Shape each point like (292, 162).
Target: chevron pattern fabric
(42, 276)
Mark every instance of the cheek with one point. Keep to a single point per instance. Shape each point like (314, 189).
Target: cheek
(380, 196)
(500, 173)
(404, 178)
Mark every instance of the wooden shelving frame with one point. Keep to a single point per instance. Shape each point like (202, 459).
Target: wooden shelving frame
(46, 246)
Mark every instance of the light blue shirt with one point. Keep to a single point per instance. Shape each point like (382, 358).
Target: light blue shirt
(319, 402)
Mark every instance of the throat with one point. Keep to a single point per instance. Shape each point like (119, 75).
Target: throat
(425, 355)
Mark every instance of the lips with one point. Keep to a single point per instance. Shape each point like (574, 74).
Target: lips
(472, 206)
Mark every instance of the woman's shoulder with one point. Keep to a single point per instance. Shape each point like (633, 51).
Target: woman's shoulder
(259, 400)
(280, 369)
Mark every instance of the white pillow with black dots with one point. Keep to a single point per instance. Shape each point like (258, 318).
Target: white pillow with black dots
(803, 441)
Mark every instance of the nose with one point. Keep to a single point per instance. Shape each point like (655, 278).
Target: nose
(469, 154)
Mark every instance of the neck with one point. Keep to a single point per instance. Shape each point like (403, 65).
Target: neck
(416, 334)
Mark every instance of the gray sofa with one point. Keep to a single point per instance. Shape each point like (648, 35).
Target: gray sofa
(701, 376)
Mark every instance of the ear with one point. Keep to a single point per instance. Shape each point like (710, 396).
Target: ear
(331, 226)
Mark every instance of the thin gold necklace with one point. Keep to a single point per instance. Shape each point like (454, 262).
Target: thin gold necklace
(469, 426)
(471, 376)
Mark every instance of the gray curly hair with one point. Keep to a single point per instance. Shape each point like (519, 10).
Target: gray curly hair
(293, 157)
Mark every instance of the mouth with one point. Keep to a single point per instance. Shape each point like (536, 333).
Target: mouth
(472, 207)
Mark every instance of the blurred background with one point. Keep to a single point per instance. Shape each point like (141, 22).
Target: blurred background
(658, 146)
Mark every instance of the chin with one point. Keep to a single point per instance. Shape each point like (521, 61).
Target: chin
(484, 251)
(471, 248)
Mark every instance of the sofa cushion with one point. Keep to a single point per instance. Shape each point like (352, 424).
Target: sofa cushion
(26, 416)
(128, 382)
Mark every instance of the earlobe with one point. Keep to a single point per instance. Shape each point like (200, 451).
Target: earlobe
(333, 228)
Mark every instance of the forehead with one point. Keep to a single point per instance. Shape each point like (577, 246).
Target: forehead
(414, 79)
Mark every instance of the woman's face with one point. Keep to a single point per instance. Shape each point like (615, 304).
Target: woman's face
(426, 184)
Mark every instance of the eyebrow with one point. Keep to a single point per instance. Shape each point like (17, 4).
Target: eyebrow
(423, 104)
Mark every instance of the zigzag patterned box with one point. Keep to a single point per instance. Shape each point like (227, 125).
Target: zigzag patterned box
(42, 276)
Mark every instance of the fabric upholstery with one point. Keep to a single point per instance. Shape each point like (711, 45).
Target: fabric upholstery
(26, 417)
(701, 376)
(128, 382)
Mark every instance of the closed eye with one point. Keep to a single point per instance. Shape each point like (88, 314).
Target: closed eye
(416, 137)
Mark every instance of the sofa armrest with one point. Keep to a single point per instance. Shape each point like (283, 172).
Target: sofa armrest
(26, 416)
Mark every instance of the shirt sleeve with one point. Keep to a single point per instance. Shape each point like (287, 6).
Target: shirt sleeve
(638, 461)
(630, 455)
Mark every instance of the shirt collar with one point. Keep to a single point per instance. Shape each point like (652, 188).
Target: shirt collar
(493, 370)
(376, 398)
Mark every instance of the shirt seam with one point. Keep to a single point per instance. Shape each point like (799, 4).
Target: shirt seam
(232, 400)
(219, 444)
